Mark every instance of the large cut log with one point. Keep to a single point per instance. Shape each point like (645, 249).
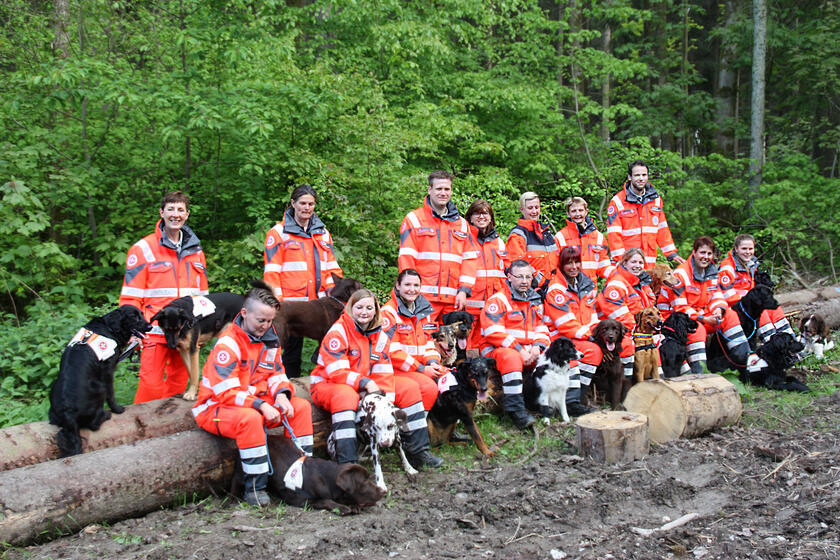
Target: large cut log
(609, 436)
(802, 297)
(686, 406)
(29, 444)
(829, 309)
(65, 495)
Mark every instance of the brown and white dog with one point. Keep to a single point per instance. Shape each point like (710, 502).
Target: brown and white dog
(814, 334)
(645, 365)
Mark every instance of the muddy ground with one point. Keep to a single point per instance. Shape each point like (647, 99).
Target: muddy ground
(757, 493)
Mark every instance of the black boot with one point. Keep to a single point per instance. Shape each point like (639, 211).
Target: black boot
(573, 403)
(423, 460)
(255, 494)
(514, 404)
(416, 447)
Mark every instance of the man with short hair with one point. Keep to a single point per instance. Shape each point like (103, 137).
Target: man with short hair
(580, 231)
(245, 390)
(635, 218)
(161, 267)
(514, 335)
(434, 240)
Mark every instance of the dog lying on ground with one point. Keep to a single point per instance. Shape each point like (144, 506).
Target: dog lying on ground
(312, 319)
(774, 357)
(379, 423)
(673, 351)
(814, 334)
(190, 322)
(300, 481)
(463, 323)
(645, 365)
(609, 377)
(545, 388)
(86, 375)
(750, 308)
(457, 401)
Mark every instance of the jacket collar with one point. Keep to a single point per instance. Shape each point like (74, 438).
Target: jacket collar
(642, 279)
(189, 240)
(422, 307)
(751, 266)
(588, 226)
(534, 225)
(490, 235)
(348, 321)
(270, 338)
(531, 296)
(631, 196)
(290, 226)
(583, 285)
(451, 214)
(700, 275)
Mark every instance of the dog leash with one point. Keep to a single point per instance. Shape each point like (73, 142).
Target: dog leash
(292, 434)
(755, 321)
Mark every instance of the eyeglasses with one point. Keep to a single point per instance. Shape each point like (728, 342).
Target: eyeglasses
(522, 277)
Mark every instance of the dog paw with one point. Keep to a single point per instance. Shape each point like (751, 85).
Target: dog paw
(118, 409)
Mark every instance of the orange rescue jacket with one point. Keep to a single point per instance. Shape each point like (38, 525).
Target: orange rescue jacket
(489, 268)
(624, 295)
(510, 320)
(638, 221)
(570, 312)
(410, 332)
(532, 240)
(594, 253)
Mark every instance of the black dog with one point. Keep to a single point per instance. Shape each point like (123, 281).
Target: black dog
(673, 351)
(86, 376)
(776, 355)
(319, 483)
(190, 321)
(750, 308)
(609, 377)
(458, 402)
(545, 388)
(462, 321)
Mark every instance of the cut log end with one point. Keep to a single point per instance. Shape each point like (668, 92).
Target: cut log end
(613, 436)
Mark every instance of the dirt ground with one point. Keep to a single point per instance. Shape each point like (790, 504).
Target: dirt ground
(756, 493)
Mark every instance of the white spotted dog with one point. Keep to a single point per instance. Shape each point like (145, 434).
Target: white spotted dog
(814, 334)
(545, 389)
(380, 423)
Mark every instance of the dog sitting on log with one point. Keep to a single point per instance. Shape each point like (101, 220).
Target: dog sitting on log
(86, 375)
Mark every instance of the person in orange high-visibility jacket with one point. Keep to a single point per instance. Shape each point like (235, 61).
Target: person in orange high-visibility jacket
(626, 293)
(580, 232)
(405, 319)
(434, 240)
(532, 241)
(736, 277)
(161, 267)
(635, 218)
(514, 335)
(490, 264)
(570, 312)
(299, 262)
(244, 390)
(698, 295)
(354, 357)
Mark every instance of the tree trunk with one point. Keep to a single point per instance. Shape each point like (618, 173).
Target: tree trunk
(686, 406)
(66, 495)
(29, 444)
(605, 89)
(725, 90)
(613, 436)
(757, 105)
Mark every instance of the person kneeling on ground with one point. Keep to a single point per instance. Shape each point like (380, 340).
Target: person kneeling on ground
(354, 357)
(245, 390)
(514, 335)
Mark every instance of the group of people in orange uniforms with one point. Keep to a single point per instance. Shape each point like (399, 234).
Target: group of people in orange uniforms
(523, 293)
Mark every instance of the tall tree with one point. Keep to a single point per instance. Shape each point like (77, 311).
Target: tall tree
(757, 104)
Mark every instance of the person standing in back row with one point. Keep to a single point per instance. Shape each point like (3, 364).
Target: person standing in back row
(635, 218)
(299, 262)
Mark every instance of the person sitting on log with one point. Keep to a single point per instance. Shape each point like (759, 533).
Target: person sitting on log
(737, 277)
(698, 295)
(354, 356)
(245, 390)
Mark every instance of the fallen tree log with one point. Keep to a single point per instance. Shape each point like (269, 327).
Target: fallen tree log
(802, 297)
(829, 309)
(65, 495)
(686, 406)
(30, 444)
(609, 436)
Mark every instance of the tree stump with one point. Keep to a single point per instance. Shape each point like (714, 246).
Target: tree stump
(686, 406)
(609, 436)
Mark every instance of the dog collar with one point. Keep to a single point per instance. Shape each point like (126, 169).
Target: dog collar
(102, 346)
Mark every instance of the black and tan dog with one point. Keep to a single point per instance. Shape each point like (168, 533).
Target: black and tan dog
(86, 375)
(462, 323)
(457, 402)
(309, 481)
(312, 319)
(189, 322)
(609, 377)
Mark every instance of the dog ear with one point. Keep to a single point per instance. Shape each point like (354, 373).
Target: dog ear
(402, 419)
(637, 317)
(351, 477)
(491, 363)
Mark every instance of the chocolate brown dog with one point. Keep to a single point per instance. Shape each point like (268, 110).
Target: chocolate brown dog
(312, 319)
(610, 375)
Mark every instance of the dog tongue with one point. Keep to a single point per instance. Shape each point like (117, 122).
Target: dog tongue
(462, 344)
(482, 395)
(610, 346)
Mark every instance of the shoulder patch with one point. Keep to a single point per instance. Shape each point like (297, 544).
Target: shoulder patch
(559, 299)
(613, 294)
(334, 344)
(493, 308)
(132, 260)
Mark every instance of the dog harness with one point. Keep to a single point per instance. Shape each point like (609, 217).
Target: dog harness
(446, 381)
(646, 341)
(293, 479)
(755, 364)
(102, 346)
(202, 307)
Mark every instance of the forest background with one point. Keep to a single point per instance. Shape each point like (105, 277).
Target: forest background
(106, 105)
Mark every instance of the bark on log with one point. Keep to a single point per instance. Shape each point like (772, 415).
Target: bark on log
(686, 406)
(802, 297)
(65, 495)
(609, 436)
(29, 444)
(829, 309)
